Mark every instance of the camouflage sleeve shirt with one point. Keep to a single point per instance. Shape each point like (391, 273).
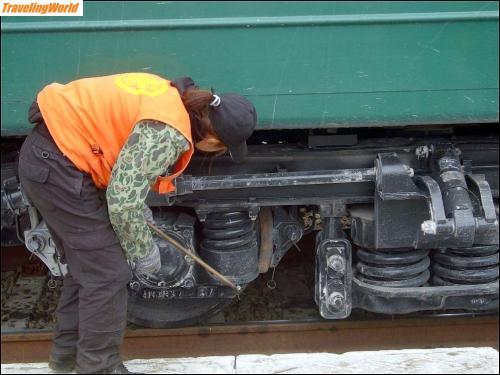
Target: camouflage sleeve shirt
(151, 149)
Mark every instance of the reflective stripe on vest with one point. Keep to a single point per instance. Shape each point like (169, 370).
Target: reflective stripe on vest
(90, 120)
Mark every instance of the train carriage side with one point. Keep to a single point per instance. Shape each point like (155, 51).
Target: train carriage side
(377, 133)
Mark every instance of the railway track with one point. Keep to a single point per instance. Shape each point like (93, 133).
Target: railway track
(274, 337)
(283, 319)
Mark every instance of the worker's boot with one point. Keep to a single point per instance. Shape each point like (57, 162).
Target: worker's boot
(61, 363)
(118, 369)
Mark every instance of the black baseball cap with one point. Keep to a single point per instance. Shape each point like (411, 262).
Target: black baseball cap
(233, 119)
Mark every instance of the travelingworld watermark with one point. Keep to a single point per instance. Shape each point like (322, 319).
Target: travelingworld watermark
(41, 8)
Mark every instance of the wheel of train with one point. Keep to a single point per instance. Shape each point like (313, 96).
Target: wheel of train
(182, 293)
(172, 313)
(169, 297)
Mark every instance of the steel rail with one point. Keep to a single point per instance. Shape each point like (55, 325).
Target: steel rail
(280, 337)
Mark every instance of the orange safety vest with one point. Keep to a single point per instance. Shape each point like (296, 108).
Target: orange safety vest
(90, 120)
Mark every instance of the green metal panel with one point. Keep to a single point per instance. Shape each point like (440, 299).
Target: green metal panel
(303, 64)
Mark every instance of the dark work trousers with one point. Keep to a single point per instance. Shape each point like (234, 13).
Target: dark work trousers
(91, 315)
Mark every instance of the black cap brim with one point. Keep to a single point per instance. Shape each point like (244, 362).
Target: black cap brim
(238, 152)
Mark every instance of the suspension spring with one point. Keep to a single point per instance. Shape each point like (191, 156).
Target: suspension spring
(465, 266)
(230, 245)
(397, 268)
(228, 230)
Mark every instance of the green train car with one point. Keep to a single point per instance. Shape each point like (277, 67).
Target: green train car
(377, 130)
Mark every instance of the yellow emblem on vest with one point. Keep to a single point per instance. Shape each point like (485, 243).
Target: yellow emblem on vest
(141, 84)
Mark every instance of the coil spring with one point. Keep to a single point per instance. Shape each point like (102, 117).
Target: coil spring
(397, 268)
(230, 245)
(467, 266)
(228, 230)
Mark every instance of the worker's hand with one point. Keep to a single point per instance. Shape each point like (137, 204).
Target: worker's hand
(148, 214)
(150, 263)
